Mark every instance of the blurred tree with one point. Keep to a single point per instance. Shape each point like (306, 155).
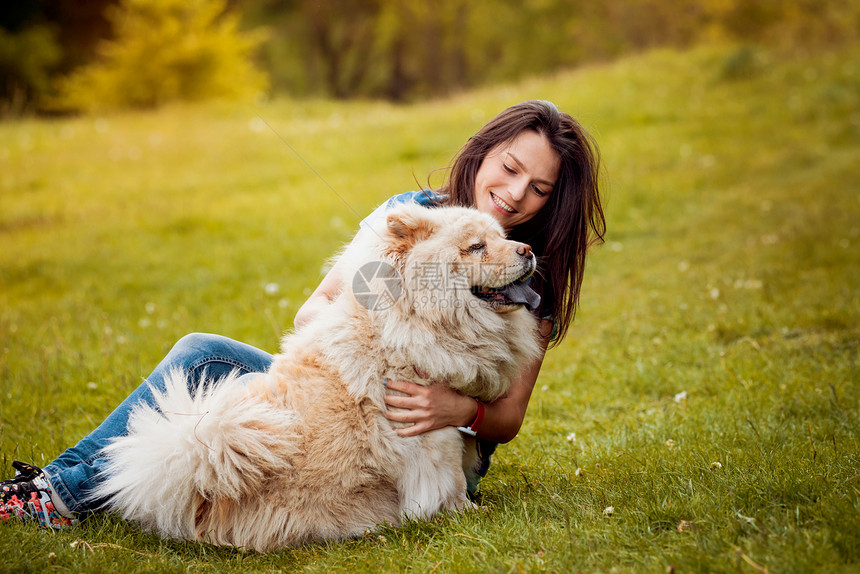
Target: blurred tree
(77, 25)
(26, 61)
(341, 34)
(400, 50)
(166, 50)
(80, 26)
(40, 39)
(406, 49)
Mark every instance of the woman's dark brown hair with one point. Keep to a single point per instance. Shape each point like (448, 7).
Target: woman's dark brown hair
(570, 222)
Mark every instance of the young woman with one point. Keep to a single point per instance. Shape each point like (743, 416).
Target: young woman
(533, 168)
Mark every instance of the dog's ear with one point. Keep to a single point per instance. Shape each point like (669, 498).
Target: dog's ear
(406, 227)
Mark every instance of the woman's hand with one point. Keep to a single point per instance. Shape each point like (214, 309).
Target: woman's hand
(428, 407)
(436, 406)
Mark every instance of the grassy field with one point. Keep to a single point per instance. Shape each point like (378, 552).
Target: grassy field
(708, 392)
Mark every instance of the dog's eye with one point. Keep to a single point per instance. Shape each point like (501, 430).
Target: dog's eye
(475, 247)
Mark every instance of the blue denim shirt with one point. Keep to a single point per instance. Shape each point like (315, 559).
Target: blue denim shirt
(423, 197)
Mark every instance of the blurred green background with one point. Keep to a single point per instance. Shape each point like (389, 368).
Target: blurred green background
(62, 55)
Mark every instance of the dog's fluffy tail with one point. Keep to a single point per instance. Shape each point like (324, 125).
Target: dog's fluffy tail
(217, 443)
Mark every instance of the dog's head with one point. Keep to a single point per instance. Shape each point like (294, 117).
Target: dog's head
(443, 289)
(458, 258)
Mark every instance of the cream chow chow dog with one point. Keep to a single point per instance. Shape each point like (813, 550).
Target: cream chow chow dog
(304, 452)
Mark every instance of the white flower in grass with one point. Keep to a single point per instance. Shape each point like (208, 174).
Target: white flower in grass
(101, 125)
(715, 293)
(747, 519)
(707, 161)
(681, 396)
(748, 284)
(256, 125)
(571, 437)
(578, 472)
(715, 466)
(685, 525)
(670, 443)
(609, 511)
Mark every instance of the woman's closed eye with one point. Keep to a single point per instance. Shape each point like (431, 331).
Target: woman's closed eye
(535, 188)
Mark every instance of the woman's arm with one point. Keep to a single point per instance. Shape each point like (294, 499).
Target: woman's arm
(328, 289)
(323, 295)
(436, 406)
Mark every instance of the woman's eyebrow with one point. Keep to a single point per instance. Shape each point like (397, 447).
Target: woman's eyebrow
(522, 167)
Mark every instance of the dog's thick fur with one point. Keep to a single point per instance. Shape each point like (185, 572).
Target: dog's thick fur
(304, 452)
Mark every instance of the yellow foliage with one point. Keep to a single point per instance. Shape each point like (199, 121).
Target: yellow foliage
(167, 50)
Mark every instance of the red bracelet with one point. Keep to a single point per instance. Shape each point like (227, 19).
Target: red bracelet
(472, 429)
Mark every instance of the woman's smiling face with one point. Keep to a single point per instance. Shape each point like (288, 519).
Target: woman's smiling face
(516, 178)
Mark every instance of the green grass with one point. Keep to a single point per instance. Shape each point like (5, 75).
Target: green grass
(731, 273)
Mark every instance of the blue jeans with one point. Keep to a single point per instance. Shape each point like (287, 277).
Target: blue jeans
(74, 473)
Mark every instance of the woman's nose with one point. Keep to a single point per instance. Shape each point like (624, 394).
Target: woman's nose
(517, 190)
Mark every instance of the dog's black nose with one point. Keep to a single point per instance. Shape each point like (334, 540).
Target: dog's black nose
(525, 251)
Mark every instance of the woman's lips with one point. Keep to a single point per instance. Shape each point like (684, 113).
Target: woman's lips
(501, 205)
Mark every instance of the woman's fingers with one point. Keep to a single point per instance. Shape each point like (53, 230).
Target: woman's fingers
(401, 402)
(415, 429)
(403, 386)
(404, 416)
(424, 407)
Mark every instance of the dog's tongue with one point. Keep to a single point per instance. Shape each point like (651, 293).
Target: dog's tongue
(521, 293)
